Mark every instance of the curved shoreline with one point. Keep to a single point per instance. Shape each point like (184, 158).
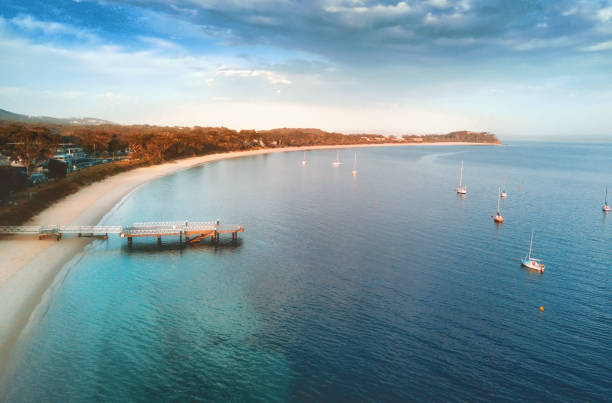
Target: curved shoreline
(28, 266)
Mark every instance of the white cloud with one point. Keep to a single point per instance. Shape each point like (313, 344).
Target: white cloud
(375, 11)
(29, 23)
(604, 14)
(535, 44)
(570, 11)
(430, 19)
(601, 46)
(271, 76)
(439, 3)
(444, 19)
(159, 42)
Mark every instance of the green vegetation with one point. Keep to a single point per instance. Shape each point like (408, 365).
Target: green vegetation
(33, 144)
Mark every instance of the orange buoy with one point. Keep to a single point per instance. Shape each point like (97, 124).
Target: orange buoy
(541, 309)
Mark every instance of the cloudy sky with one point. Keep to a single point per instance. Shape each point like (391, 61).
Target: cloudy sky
(514, 67)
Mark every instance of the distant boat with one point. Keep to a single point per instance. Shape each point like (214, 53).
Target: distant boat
(606, 207)
(355, 165)
(503, 192)
(530, 262)
(498, 217)
(461, 189)
(337, 162)
(304, 160)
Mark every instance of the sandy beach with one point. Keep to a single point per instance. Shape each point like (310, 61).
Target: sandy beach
(28, 266)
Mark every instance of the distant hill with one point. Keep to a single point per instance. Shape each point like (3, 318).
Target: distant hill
(16, 117)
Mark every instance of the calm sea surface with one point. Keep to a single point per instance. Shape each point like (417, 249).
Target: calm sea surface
(386, 286)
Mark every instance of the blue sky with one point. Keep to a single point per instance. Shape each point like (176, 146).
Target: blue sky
(514, 67)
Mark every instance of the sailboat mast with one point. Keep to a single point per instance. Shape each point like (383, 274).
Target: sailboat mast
(606, 199)
(530, 245)
(461, 175)
(355, 162)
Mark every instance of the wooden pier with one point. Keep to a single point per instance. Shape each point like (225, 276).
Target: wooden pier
(192, 231)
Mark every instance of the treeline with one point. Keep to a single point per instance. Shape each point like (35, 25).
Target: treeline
(156, 144)
(34, 144)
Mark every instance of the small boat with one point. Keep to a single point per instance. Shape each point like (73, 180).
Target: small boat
(530, 262)
(606, 207)
(461, 189)
(498, 217)
(355, 165)
(503, 192)
(337, 162)
(304, 160)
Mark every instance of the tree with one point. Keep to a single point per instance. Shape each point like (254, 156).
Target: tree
(158, 145)
(57, 169)
(115, 145)
(31, 145)
(11, 179)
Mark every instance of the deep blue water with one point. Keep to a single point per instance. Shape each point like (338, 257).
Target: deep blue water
(387, 286)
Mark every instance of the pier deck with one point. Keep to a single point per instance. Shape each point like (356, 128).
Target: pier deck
(193, 231)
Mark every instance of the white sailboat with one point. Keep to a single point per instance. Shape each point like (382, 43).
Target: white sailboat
(503, 192)
(606, 207)
(337, 162)
(355, 165)
(461, 189)
(530, 262)
(498, 217)
(304, 160)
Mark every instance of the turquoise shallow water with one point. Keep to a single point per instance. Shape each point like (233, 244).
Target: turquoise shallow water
(386, 286)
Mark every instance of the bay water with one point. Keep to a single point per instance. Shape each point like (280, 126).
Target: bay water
(384, 286)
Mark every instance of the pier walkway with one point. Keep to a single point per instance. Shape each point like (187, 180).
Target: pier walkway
(192, 231)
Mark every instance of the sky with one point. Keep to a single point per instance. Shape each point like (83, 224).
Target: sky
(513, 67)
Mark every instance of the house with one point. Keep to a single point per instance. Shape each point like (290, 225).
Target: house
(76, 152)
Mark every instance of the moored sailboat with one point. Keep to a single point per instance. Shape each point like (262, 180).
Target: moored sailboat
(606, 207)
(337, 162)
(498, 217)
(461, 189)
(304, 159)
(355, 165)
(530, 262)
